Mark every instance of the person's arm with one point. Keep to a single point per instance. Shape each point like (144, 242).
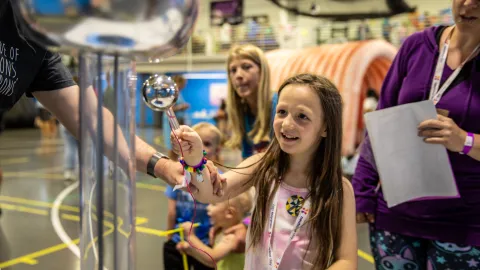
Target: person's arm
(446, 132)
(172, 204)
(475, 152)
(171, 209)
(55, 88)
(366, 179)
(64, 104)
(240, 233)
(218, 252)
(347, 252)
(237, 180)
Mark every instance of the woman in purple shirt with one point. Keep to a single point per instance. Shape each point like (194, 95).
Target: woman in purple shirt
(432, 234)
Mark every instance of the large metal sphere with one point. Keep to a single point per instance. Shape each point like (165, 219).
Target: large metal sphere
(148, 29)
(160, 92)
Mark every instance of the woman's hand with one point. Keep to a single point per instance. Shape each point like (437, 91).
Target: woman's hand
(443, 131)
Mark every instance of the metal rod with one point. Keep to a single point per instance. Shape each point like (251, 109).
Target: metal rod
(82, 81)
(131, 125)
(99, 156)
(115, 160)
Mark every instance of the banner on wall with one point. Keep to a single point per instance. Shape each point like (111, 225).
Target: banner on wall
(204, 92)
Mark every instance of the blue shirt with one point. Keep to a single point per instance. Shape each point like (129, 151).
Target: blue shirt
(247, 145)
(184, 212)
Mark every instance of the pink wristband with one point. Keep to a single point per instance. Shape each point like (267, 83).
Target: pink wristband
(469, 142)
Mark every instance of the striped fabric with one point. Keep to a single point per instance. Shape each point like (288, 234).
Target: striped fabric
(352, 66)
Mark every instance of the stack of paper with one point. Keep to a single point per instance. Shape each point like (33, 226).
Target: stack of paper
(409, 168)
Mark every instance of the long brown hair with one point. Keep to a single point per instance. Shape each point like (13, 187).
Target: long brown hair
(236, 109)
(325, 176)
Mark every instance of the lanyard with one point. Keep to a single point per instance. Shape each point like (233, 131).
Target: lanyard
(436, 93)
(271, 222)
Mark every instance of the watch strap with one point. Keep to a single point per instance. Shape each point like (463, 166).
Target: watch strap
(153, 161)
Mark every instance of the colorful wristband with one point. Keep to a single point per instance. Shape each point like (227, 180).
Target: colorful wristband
(198, 168)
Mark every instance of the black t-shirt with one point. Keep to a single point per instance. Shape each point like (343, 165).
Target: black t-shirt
(25, 67)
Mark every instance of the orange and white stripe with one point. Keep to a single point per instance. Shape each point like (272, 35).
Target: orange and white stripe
(352, 66)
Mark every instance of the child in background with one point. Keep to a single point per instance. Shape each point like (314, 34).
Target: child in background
(180, 205)
(223, 216)
(304, 215)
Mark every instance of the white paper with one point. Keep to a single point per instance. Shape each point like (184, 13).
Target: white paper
(409, 168)
(186, 180)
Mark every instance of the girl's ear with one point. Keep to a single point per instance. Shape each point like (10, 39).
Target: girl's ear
(323, 133)
(230, 212)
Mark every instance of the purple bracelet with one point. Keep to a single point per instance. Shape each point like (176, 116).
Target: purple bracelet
(469, 142)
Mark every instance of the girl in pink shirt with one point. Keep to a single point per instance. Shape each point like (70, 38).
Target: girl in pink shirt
(304, 217)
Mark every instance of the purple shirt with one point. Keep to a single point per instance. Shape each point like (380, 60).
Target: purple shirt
(409, 80)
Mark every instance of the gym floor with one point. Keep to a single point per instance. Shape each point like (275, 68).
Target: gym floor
(33, 179)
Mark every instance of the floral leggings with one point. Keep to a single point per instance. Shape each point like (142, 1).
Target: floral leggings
(393, 251)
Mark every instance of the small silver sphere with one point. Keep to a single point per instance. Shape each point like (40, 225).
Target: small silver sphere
(150, 30)
(160, 92)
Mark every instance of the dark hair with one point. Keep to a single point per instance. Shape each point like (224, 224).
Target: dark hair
(325, 176)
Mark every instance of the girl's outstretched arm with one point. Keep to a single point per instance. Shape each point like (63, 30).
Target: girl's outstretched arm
(207, 191)
(237, 182)
(347, 253)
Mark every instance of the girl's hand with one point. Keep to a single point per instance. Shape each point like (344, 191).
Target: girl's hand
(365, 217)
(187, 142)
(443, 131)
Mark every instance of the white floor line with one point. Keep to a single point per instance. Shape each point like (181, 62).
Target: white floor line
(57, 224)
(94, 246)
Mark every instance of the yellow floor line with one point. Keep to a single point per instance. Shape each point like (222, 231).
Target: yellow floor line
(19, 208)
(367, 257)
(151, 187)
(38, 203)
(10, 161)
(31, 258)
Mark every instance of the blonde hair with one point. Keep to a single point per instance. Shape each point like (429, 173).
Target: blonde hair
(212, 128)
(235, 107)
(242, 203)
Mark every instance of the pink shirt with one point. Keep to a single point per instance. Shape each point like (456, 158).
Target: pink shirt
(298, 256)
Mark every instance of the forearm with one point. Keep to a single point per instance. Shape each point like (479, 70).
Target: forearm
(475, 152)
(198, 255)
(143, 151)
(171, 221)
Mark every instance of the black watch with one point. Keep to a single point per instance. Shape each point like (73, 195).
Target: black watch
(153, 161)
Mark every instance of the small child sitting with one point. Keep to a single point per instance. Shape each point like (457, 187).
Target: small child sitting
(180, 205)
(223, 215)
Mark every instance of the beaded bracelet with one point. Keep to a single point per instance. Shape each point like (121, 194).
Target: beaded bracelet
(198, 168)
